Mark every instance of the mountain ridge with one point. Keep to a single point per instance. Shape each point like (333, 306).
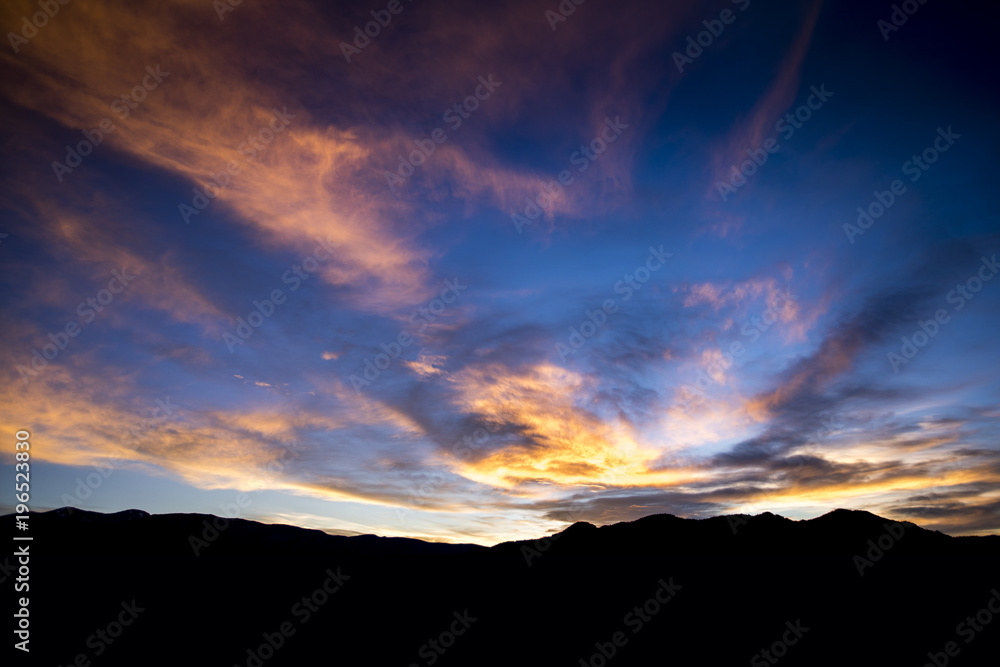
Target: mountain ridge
(838, 516)
(863, 589)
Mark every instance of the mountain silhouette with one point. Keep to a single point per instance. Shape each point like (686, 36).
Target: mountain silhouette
(846, 588)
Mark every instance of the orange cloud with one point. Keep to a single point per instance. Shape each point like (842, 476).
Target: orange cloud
(561, 442)
(290, 187)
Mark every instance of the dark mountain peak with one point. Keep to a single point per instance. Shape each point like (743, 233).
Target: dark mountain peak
(661, 517)
(841, 512)
(652, 522)
(86, 516)
(846, 517)
(580, 528)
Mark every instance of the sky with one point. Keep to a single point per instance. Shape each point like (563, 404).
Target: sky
(470, 272)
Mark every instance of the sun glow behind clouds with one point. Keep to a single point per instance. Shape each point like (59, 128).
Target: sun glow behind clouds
(557, 439)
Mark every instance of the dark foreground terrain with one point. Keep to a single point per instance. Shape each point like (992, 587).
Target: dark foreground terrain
(848, 588)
